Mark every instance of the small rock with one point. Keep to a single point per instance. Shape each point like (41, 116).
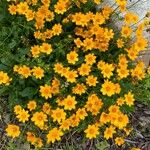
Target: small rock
(147, 112)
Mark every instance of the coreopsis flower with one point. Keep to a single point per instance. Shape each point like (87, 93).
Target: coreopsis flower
(65, 125)
(78, 42)
(84, 70)
(4, 78)
(46, 108)
(94, 104)
(23, 116)
(104, 118)
(31, 105)
(119, 141)
(107, 70)
(31, 137)
(58, 115)
(60, 7)
(81, 113)
(72, 57)
(122, 72)
(22, 7)
(90, 59)
(57, 29)
(69, 102)
(108, 88)
(46, 48)
(92, 131)
(120, 43)
(71, 76)
(120, 101)
(25, 71)
(79, 89)
(91, 80)
(13, 130)
(39, 119)
(131, 18)
(88, 43)
(132, 53)
(113, 109)
(30, 15)
(74, 120)
(129, 99)
(126, 31)
(123, 62)
(35, 50)
(38, 72)
(54, 135)
(46, 91)
(109, 131)
(17, 109)
(121, 120)
(12, 9)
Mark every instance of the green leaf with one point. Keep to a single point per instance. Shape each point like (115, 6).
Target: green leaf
(102, 145)
(28, 92)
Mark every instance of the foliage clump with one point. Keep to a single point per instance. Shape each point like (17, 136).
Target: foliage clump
(77, 71)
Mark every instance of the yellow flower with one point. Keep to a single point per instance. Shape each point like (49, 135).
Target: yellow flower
(65, 125)
(120, 101)
(54, 135)
(31, 105)
(92, 131)
(4, 78)
(123, 62)
(79, 89)
(17, 109)
(35, 50)
(109, 131)
(25, 71)
(71, 76)
(39, 119)
(91, 80)
(129, 99)
(90, 59)
(119, 141)
(60, 7)
(38, 72)
(113, 109)
(56, 29)
(122, 72)
(46, 91)
(94, 104)
(72, 57)
(121, 121)
(46, 48)
(12, 9)
(23, 116)
(104, 118)
(13, 130)
(126, 31)
(58, 115)
(108, 88)
(81, 113)
(22, 7)
(120, 43)
(135, 148)
(46, 108)
(29, 15)
(69, 102)
(31, 137)
(88, 43)
(84, 70)
(107, 70)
